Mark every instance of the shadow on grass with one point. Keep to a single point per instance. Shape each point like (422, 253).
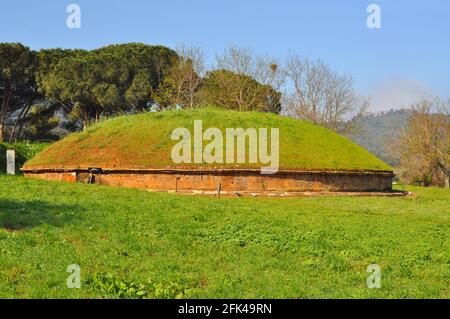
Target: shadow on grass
(21, 215)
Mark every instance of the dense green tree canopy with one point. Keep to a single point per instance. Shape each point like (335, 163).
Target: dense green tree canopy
(40, 89)
(106, 81)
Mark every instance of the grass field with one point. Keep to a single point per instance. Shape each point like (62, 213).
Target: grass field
(132, 243)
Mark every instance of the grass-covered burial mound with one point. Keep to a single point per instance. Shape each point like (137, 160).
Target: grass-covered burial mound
(138, 151)
(144, 141)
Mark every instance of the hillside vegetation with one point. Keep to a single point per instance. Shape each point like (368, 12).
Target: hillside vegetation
(144, 140)
(379, 132)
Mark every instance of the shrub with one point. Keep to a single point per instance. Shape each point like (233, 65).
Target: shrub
(24, 152)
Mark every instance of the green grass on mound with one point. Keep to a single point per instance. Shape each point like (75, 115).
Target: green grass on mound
(133, 244)
(144, 140)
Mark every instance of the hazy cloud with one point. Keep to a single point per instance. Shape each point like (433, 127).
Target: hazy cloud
(396, 93)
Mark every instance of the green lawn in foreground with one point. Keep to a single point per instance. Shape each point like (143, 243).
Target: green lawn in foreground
(135, 243)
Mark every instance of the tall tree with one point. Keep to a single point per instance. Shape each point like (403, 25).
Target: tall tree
(180, 86)
(240, 92)
(108, 81)
(138, 95)
(321, 95)
(17, 82)
(424, 146)
(246, 66)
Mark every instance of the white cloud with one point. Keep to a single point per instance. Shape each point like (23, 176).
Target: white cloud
(397, 93)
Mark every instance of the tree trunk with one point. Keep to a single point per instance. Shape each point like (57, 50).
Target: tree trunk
(22, 122)
(424, 181)
(19, 131)
(3, 113)
(19, 125)
(444, 169)
(21, 119)
(13, 131)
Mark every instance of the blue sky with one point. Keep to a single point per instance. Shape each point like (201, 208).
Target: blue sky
(409, 56)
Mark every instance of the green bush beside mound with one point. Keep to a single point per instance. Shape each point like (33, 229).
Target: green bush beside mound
(24, 152)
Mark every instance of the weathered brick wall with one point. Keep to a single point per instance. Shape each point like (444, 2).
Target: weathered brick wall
(231, 182)
(54, 176)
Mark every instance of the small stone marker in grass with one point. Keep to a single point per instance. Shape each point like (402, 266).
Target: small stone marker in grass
(11, 162)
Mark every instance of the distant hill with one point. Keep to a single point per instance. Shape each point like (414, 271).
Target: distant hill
(379, 130)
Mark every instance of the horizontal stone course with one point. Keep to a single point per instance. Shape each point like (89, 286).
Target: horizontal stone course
(229, 181)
